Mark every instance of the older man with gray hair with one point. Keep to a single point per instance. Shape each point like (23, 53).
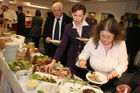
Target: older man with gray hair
(54, 28)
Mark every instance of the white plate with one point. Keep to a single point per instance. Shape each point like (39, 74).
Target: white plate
(101, 76)
(47, 88)
(82, 39)
(55, 41)
(66, 88)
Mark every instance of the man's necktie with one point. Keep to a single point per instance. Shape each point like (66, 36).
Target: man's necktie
(56, 33)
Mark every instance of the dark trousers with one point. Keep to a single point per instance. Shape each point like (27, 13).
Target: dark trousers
(36, 41)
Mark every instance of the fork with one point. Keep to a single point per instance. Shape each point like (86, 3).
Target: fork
(84, 84)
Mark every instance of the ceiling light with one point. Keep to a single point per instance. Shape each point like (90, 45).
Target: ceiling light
(74, 0)
(101, 0)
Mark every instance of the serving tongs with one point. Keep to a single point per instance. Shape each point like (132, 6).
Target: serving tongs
(73, 78)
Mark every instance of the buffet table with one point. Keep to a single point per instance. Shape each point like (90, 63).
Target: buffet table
(10, 84)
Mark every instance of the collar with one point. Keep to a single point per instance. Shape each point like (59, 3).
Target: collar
(100, 43)
(84, 23)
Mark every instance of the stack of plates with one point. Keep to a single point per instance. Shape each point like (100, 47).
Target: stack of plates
(11, 51)
(19, 39)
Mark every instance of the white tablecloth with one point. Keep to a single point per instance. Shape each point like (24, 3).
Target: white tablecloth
(9, 80)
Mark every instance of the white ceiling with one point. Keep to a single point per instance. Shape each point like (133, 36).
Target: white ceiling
(49, 2)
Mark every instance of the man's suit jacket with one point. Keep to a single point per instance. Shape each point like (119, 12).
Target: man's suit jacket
(21, 24)
(48, 28)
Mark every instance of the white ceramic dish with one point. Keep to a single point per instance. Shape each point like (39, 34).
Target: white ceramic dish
(82, 39)
(23, 75)
(47, 88)
(101, 77)
(66, 88)
(32, 84)
(55, 41)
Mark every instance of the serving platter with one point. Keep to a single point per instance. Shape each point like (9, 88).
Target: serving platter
(76, 88)
(46, 87)
(97, 78)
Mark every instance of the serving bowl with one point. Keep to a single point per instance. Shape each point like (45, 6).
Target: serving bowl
(32, 84)
(23, 75)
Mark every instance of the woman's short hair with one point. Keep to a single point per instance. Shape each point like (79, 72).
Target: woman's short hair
(111, 25)
(79, 7)
(57, 4)
(38, 13)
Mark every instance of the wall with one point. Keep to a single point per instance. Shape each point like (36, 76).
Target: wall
(116, 8)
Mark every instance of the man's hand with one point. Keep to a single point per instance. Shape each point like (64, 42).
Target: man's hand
(48, 39)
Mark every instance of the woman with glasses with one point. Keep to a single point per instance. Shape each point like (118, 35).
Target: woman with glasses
(106, 50)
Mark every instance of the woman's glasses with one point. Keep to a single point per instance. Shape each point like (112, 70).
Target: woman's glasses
(107, 37)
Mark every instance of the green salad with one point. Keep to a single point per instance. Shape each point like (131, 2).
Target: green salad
(19, 65)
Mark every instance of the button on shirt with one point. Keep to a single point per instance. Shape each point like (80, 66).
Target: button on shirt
(116, 58)
(79, 30)
(60, 24)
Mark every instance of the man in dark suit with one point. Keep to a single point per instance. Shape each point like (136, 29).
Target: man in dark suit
(50, 29)
(21, 21)
(132, 43)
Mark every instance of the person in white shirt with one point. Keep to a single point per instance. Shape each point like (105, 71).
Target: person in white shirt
(9, 15)
(106, 50)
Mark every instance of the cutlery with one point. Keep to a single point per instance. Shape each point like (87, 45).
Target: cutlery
(58, 84)
(84, 85)
(73, 78)
(126, 90)
(94, 86)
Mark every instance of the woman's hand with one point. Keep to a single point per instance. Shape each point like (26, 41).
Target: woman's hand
(109, 76)
(48, 39)
(121, 88)
(112, 75)
(82, 63)
(50, 66)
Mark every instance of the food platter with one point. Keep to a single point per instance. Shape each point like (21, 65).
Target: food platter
(47, 88)
(82, 39)
(44, 77)
(77, 88)
(97, 78)
(55, 41)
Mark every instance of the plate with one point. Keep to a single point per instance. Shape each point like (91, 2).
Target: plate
(101, 77)
(47, 88)
(55, 41)
(66, 88)
(82, 39)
